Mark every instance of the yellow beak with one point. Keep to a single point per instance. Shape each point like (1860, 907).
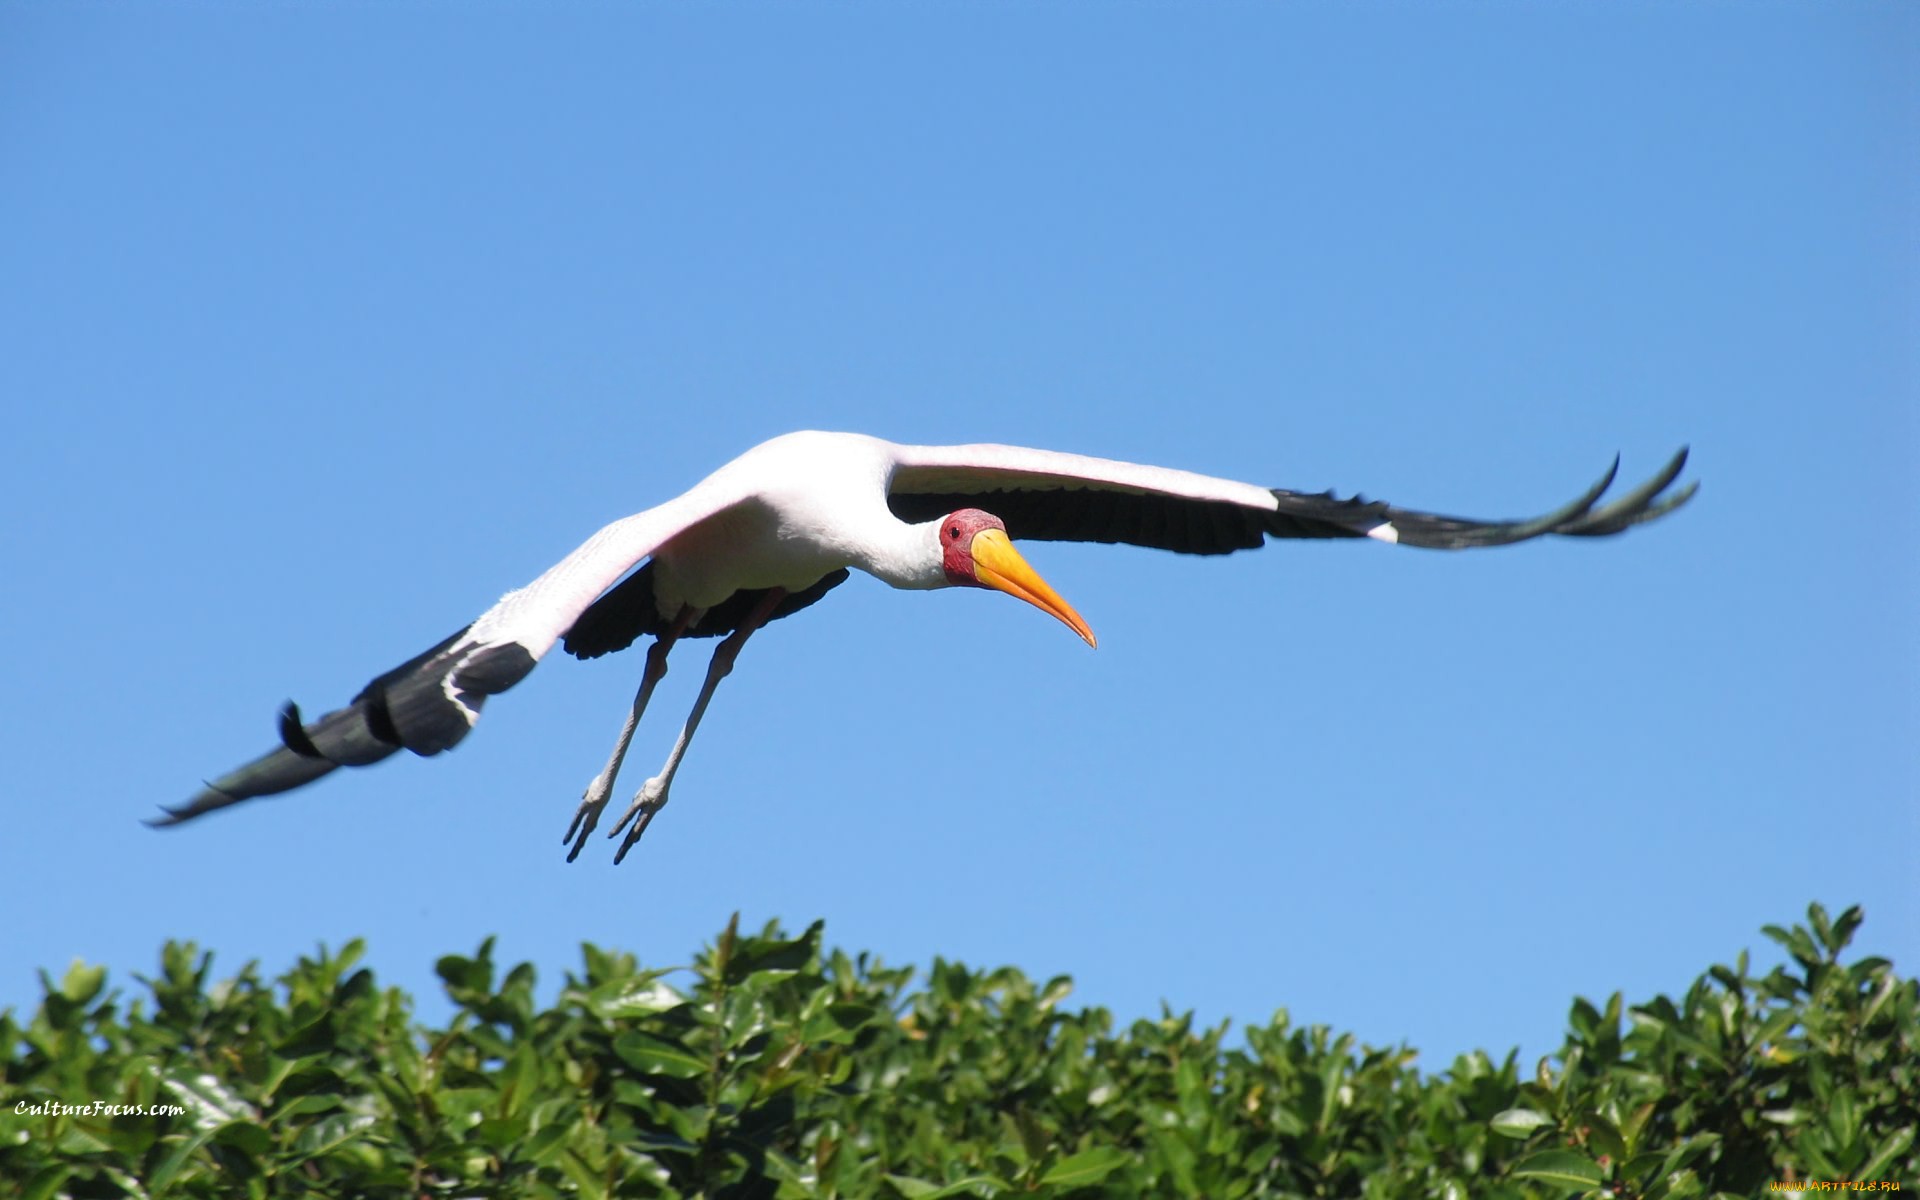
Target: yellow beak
(996, 564)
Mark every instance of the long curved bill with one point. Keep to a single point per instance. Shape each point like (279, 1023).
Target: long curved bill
(996, 564)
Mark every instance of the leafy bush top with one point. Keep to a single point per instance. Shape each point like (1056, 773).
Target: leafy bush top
(785, 1071)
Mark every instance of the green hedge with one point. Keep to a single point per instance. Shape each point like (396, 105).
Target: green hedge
(783, 1071)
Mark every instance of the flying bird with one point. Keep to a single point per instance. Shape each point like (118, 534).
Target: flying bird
(774, 530)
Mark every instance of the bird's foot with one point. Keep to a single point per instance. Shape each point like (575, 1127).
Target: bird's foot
(592, 801)
(647, 803)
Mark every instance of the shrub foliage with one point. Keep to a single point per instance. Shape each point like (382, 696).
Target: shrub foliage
(786, 1071)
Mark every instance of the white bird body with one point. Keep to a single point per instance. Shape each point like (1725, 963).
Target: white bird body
(795, 508)
(784, 514)
(772, 531)
(798, 508)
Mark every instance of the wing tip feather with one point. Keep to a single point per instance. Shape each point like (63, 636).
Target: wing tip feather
(210, 799)
(1324, 515)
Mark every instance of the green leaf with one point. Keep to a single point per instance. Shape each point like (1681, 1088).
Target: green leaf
(1519, 1122)
(300, 1106)
(176, 1159)
(1603, 1137)
(920, 1189)
(1678, 1186)
(82, 983)
(1843, 1115)
(465, 974)
(1086, 1167)
(656, 1056)
(1844, 926)
(245, 1135)
(1822, 928)
(329, 1133)
(1179, 1158)
(1687, 1151)
(587, 1177)
(46, 1183)
(1799, 943)
(1057, 989)
(1560, 1166)
(1884, 993)
(1641, 1169)
(637, 997)
(545, 1144)
(519, 1082)
(1636, 1120)
(316, 1038)
(912, 1189)
(744, 957)
(1891, 1147)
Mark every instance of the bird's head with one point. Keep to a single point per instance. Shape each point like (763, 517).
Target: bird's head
(976, 552)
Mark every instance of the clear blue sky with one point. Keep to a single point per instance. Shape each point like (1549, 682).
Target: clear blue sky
(324, 325)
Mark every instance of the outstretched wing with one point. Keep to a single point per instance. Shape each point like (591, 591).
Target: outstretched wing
(428, 703)
(1045, 496)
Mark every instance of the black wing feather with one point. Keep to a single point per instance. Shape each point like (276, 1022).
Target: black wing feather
(1083, 514)
(1074, 512)
(627, 612)
(1325, 515)
(426, 704)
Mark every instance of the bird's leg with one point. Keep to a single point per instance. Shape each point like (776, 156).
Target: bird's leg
(601, 789)
(652, 796)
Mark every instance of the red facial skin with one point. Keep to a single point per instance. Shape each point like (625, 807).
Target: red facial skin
(957, 532)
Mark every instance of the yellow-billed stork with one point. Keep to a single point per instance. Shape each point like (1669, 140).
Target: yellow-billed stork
(775, 529)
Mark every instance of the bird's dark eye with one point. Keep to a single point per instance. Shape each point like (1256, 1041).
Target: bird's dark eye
(953, 531)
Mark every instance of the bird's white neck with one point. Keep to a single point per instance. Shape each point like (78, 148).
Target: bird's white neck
(906, 556)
